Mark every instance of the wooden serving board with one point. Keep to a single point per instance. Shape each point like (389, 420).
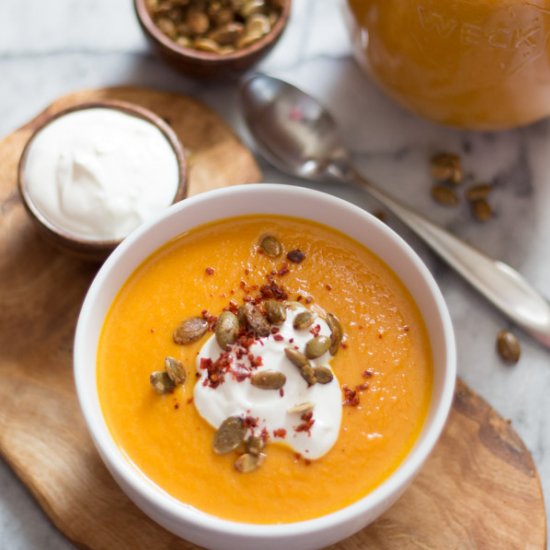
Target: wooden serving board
(479, 489)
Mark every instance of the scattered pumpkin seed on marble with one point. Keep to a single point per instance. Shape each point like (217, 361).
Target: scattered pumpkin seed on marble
(336, 333)
(190, 330)
(478, 192)
(249, 462)
(446, 167)
(323, 375)
(317, 346)
(268, 380)
(229, 435)
(444, 195)
(275, 311)
(508, 346)
(175, 370)
(303, 320)
(227, 329)
(271, 246)
(161, 382)
(481, 210)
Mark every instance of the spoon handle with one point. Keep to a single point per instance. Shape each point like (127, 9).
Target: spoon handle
(497, 281)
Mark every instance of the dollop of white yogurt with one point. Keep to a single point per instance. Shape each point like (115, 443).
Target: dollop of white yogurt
(273, 408)
(99, 172)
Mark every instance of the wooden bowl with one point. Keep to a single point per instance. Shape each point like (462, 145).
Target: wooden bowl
(76, 245)
(207, 65)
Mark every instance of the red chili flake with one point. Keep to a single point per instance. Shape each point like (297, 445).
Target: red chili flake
(152, 330)
(351, 397)
(309, 299)
(281, 392)
(343, 345)
(360, 327)
(231, 292)
(328, 287)
(216, 369)
(255, 361)
(209, 270)
(189, 401)
(297, 457)
(273, 291)
(251, 422)
(254, 287)
(176, 406)
(307, 423)
(362, 387)
(278, 337)
(264, 434)
(296, 256)
(315, 330)
(247, 271)
(307, 461)
(367, 373)
(283, 270)
(291, 340)
(406, 328)
(248, 299)
(232, 307)
(211, 319)
(197, 375)
(274, 330)
(279, 432)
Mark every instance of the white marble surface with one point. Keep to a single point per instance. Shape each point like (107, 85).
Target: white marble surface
(50, 48)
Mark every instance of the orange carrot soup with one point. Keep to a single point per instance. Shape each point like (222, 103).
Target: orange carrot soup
(265, 369)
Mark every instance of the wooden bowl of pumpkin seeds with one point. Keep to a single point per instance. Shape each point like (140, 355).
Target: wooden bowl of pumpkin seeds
(213, 39)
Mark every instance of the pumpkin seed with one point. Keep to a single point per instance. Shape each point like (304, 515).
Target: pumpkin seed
(271, 246)
(268, 380)
(258, 24)
(446, 167)
(175, 370)
(275, 311)
(190, 330)
(251, 7)
(197, 21)
(206, 45)
(323, 375)
(445, 196)
(297, 358)
(303, 320)
(508, 346)
(482, 210)
(255, 320)
(301, 408)
(227, 35)
(478, 192)
(161, 382)
(227, 329)
(317, 346)
(229, 435)
(254, 445)
(296, 256)
(308, 374)
(249, 462)
(336, 333)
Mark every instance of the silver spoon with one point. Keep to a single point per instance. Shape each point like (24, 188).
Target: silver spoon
(297, 135)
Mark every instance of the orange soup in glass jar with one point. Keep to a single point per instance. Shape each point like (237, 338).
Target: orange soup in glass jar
(478, 64)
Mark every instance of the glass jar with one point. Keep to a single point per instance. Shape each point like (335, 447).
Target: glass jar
(478, 64)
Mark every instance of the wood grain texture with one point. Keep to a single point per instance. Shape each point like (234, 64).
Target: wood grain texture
(479, 489)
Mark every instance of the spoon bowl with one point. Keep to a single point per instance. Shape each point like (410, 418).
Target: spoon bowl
(298, 136)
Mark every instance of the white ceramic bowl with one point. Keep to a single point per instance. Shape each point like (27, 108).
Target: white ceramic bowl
(197, 526)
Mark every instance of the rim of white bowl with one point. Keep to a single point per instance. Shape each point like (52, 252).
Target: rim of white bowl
(171, 506)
